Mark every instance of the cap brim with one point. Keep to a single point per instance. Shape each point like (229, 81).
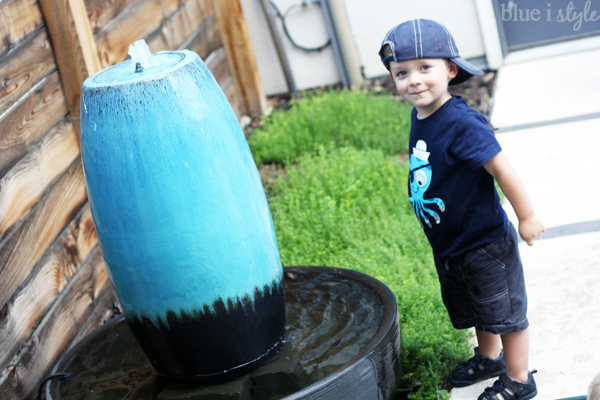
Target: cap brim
(465, 71)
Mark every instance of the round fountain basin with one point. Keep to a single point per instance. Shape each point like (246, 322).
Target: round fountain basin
(342, 341)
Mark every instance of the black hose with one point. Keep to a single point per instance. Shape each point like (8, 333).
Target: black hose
(284, 15)
(61, 375)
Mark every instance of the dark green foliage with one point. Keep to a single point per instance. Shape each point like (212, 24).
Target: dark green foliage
(332, 119)
(348, 207)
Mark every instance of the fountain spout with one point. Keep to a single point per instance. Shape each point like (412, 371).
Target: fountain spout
(141, 56)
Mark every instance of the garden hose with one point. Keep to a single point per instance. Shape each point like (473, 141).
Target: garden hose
(60, 375)
(283, 17)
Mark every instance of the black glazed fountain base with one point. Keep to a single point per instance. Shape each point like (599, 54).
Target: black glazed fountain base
(173, 348)
(341, 342)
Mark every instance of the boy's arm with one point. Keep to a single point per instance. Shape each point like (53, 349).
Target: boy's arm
(530, 226)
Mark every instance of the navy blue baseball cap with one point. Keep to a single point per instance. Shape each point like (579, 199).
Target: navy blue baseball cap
(424, 38)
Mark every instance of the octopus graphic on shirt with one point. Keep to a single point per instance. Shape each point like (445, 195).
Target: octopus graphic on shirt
(420, 179)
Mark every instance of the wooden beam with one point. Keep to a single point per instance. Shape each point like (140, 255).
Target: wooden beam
(102, 12)
(24, 67)
(84, 294)
(230, 90)
(24, 184)
(19, 19)
(181, 25)
(74, 47)
(241, 56)
(24, 247)
(217, 63)
(137, 22)
(28, 305)
(205, 39)
(30, 119)
(107, 308)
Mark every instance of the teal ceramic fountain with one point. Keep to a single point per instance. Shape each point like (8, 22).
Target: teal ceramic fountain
(181, 216)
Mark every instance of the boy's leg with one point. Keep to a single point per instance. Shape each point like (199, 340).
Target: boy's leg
(490, 344)
(517, 376)
(516, 351)
(516, 355)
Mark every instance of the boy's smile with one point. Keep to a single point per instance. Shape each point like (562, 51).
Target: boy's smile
(423, 82)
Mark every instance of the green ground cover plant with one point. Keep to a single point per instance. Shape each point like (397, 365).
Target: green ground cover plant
(346, 205)
(332, 119)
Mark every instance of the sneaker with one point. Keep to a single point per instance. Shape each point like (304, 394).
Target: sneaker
(476, 369)
(511, 390)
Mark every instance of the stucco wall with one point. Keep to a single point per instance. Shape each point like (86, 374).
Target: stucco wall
(369, 21)
(307, 27)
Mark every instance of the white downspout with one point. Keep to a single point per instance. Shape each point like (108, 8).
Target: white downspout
(489, 33)
(346, 42)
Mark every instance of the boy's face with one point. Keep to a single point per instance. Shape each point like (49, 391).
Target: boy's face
(423, 82)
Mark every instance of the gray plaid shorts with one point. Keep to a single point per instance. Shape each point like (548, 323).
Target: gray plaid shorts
(484, 287)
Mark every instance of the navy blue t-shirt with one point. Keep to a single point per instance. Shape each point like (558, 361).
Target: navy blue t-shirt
(453, 196)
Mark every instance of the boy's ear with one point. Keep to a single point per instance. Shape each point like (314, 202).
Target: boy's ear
(452, 70)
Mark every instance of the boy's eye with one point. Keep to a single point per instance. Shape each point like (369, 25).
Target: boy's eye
(425, 67)
(401, 73)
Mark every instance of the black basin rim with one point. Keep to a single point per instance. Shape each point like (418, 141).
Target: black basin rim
(391, 319)
(390, 306)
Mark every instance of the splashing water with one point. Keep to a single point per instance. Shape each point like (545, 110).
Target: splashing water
(140, 54)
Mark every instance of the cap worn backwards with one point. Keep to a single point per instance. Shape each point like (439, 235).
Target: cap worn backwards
(424, 38)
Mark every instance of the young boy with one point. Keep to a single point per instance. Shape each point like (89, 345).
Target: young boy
(455, 159)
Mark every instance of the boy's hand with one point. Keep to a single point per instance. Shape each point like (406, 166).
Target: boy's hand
(531, 228)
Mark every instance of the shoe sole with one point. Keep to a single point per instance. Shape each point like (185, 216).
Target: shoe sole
(529, 396)
(469, 383)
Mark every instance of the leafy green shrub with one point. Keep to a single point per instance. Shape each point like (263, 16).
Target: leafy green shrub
(349, 208)
(332, 119)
